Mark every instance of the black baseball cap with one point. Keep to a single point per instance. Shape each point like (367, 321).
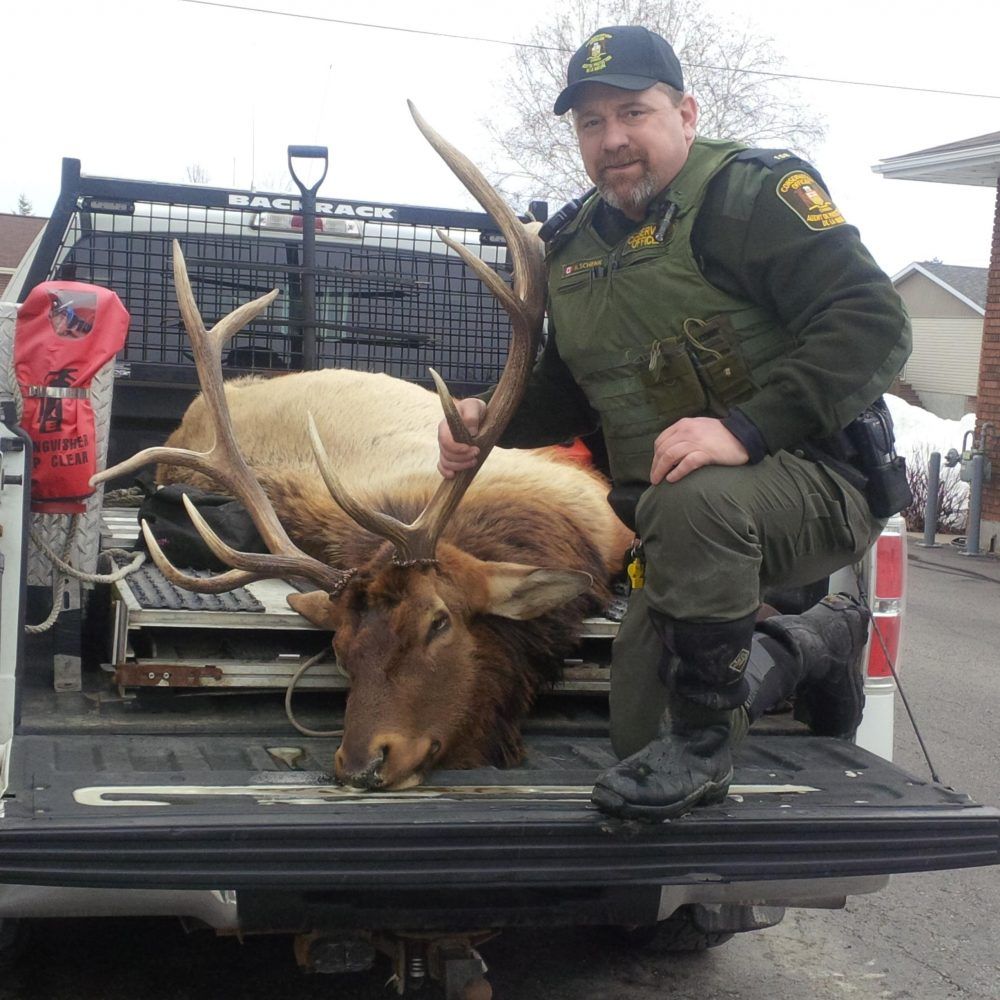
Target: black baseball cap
(626, 56)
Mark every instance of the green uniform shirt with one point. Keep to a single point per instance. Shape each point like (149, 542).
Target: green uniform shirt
(808, 269)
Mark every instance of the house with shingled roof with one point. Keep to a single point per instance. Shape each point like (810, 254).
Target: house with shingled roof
(974, 162)
(946, 303)
(17, 233)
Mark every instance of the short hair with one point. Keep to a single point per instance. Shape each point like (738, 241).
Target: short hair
(675, 95)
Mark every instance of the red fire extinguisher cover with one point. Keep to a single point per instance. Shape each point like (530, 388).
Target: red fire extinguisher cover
(64, 333)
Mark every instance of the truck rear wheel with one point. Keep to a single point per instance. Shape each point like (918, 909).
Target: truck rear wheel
(679, 933)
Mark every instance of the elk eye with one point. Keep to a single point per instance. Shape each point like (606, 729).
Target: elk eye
(439, 624)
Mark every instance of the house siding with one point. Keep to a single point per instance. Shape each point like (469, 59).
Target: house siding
(923, 297)
(945, 355)
(16, 235)
(947, 333)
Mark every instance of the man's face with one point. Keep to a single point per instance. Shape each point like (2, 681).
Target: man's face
(633, 143)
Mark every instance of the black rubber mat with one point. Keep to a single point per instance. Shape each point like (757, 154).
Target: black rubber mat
(154, 591)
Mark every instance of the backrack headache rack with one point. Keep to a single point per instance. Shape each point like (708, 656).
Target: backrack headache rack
(390, 296)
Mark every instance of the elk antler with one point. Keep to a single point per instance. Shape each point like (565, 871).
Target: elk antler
(224, 464)
(525, 305)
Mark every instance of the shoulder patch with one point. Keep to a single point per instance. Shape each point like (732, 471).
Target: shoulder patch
(807, 198)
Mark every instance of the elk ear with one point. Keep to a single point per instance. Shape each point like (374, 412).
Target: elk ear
(515, 591)
(317, 608)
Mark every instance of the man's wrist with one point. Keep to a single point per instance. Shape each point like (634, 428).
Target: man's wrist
(747, 433)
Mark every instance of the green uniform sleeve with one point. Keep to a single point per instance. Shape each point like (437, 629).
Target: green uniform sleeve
(851, 331)
(554, 408)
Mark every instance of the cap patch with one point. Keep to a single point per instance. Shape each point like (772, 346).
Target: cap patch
(598, 57)
(805, 196)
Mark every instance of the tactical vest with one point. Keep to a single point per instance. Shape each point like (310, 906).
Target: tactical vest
(645, 336)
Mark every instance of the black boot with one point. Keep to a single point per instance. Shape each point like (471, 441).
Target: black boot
(689, 763)
(825, 644)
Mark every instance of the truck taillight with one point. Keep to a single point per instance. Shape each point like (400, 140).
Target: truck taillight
(888, 598)
(324, 225)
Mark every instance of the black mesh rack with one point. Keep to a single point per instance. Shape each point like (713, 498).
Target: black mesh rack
(390, 296)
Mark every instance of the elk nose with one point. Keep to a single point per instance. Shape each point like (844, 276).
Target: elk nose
(366, 775)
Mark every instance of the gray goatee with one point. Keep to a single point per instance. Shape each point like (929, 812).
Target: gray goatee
(635, 197)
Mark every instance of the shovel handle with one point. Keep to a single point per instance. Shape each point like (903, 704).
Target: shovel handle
(308, 153)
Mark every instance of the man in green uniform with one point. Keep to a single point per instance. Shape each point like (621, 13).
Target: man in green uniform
(712, 312)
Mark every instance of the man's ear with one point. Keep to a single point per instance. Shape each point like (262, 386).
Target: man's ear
(516, 591)
(319, 608)
(689, 116)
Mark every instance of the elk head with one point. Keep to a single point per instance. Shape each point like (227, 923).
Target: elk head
(408, 622)
(425, 684)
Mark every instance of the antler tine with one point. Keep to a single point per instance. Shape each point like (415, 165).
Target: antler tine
(224, 463)
(524, 304)
(383, 525)
(218, 584)
(174, 456)
(458, 429)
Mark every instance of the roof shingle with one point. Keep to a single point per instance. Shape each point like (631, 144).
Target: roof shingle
(968, 281)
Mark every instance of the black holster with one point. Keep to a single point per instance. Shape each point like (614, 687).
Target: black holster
(864, 453)
(624, 498)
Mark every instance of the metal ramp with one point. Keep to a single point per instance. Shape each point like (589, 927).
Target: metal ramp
(166, 637)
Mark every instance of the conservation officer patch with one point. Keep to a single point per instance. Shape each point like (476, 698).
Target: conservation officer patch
(645, 237)
(581, 265)
(806, 198)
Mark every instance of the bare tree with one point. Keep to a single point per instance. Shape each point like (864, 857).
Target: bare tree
(196, 173)
(727, 68)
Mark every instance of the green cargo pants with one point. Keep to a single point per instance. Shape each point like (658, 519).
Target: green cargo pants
(711, 542)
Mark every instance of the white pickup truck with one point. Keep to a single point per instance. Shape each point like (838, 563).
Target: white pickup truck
(148, 766)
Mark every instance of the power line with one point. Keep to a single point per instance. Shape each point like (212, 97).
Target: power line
(556, 48)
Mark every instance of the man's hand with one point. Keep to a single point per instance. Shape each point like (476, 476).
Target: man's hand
(691, 443)
(454, 456)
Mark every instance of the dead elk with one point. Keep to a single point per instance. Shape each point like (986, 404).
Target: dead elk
(448, 618)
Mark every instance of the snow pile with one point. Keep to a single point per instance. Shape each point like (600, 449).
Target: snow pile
(919, 432)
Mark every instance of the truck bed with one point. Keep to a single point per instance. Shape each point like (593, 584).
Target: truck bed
(175, 767)
(188, 789)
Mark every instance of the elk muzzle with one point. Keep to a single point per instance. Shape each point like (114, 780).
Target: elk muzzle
(385, 761)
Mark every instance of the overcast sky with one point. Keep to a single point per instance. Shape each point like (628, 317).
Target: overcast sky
(146, 88)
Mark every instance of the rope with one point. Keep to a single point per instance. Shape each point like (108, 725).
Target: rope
(57, 600)
(62, 563)
(312, 661)
(119, 574)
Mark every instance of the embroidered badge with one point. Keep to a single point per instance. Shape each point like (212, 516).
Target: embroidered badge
(645, 237)
(807, 199)
(741, 660)
(581, 265)
(598, 57)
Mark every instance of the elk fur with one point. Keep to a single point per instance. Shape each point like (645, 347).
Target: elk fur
(526, 507)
